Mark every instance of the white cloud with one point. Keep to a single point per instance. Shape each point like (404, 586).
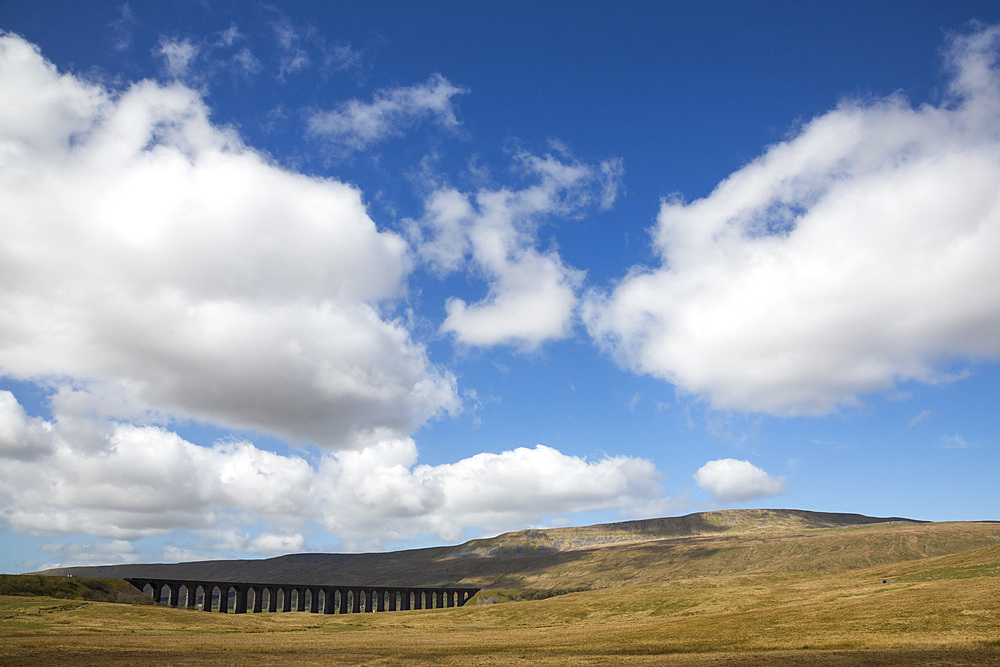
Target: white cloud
(224, 541)
(229, 49)
(180, 272)
(519, 487)
(356, 124)
(955, 441)
(277, 543)
(101, 552)
(301, 48)
(531, 300)
(293, 56)
(21, 437)
(487, 492)
(181, 275)
(735, 480)
(128, 482)
(199, 61)
(246, 62)
(177, 54)
(855, 255)
(532, 293)
(123, 27)
(339, 57)
(923, 416)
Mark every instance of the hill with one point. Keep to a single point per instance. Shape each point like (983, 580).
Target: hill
(752, 587)
(596, 556)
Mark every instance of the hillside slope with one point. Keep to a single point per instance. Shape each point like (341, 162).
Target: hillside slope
(71, 588)
(753, 587)
(929, 611)
(707, 543)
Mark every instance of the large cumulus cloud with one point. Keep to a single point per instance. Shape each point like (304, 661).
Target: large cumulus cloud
(150, 256)
(857, 254)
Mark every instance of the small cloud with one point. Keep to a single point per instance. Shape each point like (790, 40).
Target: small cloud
(301, 48)
(229, 36)
(177, 56)
(246, 62)
(341, 57)
(204, 60)
(956, 441)
(293, 56)
(613, 176)
(272, 544)
(243, 61)
(122, 28)
(736, 480)
(493, 233)
(924, 415)
(355, 124)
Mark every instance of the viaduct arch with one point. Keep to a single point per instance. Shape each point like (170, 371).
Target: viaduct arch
(244, 597)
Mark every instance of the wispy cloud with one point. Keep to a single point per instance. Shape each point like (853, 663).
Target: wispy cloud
(293, 56)
(302, 48)
(199, 61)
(240, 59)
(355, 124)
(123, 27)
(178, 56)
(923, 416)
(956, 441)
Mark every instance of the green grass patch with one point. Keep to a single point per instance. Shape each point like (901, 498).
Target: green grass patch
(72, 588)
(499, 596)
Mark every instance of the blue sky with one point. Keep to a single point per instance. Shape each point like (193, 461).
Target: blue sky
(327, 277)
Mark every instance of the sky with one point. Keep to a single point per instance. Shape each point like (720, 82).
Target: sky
(338, 277)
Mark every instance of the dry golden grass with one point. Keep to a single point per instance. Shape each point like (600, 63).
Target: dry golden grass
(763, 610)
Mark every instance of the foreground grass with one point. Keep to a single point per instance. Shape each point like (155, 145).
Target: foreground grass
(937, 610)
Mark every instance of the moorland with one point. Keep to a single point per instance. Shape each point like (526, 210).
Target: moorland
(733, 587)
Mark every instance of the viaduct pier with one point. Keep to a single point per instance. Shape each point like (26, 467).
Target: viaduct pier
(242, 597)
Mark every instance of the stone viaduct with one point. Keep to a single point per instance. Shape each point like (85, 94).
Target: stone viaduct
(240, 597)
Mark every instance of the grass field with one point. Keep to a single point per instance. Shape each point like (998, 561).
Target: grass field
(868, 595)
